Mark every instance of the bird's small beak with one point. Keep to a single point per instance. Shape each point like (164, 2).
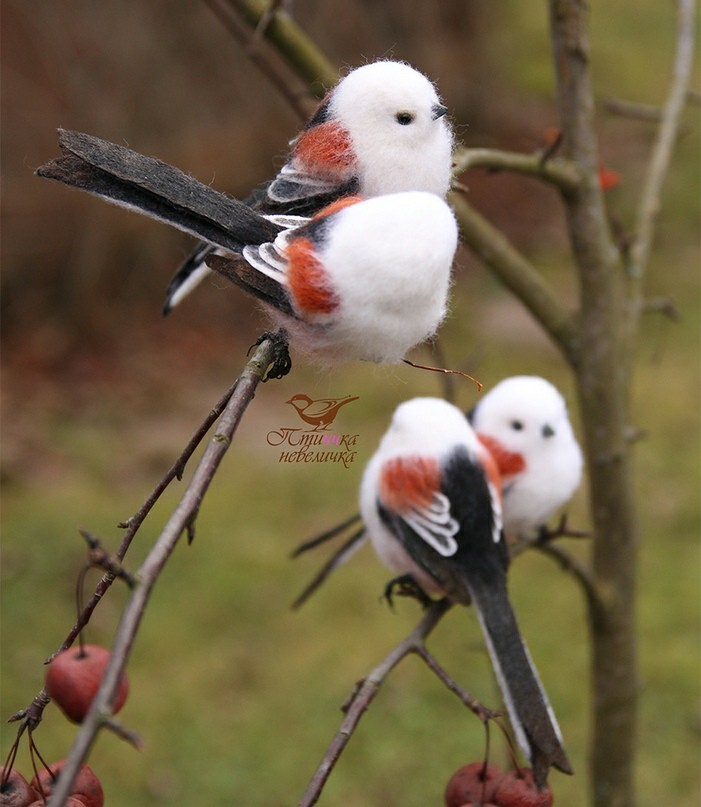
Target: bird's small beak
(438, 110)
(547, 431)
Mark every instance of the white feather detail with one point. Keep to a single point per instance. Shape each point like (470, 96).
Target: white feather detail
(498, 520)
(287, 222)
(435, 525)
(268, 260)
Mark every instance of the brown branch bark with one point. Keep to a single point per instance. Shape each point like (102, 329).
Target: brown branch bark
(146, 576)
(562, 173)
(650, 198)
(297, 94)
(368, 688)
(293, 44)
(518, 274)
(603, 375)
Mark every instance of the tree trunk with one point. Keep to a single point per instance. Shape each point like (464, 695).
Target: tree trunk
(603, 367)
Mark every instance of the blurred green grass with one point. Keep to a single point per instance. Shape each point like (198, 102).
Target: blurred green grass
(236, 697)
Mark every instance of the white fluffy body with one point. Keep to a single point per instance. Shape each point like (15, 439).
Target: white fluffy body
(527, 415)
(393, 157)
(388, 260)
(389, 157)
(424, 426)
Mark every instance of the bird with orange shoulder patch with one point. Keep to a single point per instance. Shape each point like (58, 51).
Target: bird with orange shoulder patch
(381, 129)
(346, 286)
(523, 421)
(431, 502)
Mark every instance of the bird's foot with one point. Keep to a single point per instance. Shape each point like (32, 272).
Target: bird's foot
(406, 586)
(282, 363)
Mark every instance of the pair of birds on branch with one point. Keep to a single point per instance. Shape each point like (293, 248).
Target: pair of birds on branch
(349, 249)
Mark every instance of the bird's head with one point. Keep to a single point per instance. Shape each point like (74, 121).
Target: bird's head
(396, 121)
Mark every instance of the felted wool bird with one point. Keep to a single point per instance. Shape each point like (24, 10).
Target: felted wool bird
(431, 502)
(380, 130)
(523, 421)
(363, 280)
(321, 412)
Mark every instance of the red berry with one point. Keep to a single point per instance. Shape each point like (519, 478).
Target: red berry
(14, 789)
(71, 801)
(73, 679)
(518, 789)
(86, 787)
(475, 782)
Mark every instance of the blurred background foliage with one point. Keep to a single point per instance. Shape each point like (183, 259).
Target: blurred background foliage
(235, 696)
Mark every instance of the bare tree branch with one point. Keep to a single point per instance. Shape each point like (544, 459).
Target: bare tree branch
(368, 687)
(558, 171)
(134, 523)
(603, 377)
(297, 95)
(649, 208)
(518, 275)
(301, 53)
(147, 575)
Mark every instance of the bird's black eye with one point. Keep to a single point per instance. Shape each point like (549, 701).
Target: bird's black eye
(404, 118)
(516, 425)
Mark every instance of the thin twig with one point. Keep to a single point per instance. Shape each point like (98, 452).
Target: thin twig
(147, 575)
(298, 97)
(134, 523)
(292, 43)
(649, 208)
(364, 694)
(581, 573)
(555, 170)
(477, 708)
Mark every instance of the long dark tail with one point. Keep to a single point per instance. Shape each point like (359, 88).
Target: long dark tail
(530, 713)
(156, 189)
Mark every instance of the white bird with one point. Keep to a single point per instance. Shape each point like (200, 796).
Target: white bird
(431, 502)
(380, 130)
(523, 421)
(363, 280)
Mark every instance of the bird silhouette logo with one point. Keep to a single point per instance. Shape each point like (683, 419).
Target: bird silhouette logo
(319, 414)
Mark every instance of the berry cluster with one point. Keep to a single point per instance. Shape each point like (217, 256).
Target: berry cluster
(72, 680)
(15, 791)
(481, 784)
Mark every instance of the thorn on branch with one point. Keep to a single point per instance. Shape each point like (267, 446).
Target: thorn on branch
(127, 735)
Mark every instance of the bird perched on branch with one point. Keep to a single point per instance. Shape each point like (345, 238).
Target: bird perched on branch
(380, 130)
(431, 502)
(365, 279)
(523, 422)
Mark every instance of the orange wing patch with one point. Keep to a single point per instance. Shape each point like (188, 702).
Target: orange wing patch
(507, 462)
(307, 278)
(339, 204)
(409, 482)
(325, 151)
